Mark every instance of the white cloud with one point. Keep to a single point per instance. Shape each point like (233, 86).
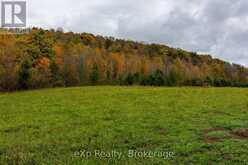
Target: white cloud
(218, 27)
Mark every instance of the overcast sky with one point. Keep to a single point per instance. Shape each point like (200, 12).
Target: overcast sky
(218, 27)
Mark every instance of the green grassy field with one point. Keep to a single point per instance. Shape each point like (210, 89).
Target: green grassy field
(146, 125)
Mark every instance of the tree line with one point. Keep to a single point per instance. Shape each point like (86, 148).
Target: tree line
(50, 58)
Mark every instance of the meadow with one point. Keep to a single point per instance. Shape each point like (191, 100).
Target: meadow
(124, 125)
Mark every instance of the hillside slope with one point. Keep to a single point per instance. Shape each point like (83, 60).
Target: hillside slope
(43, 58)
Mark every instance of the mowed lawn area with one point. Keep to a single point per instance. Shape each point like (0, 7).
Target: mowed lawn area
(147, 125)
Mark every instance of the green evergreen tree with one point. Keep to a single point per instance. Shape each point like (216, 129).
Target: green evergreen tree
(24, 74)
(57, 79)
(94, 76)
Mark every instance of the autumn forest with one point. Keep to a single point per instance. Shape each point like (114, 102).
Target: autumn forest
(53, 58)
